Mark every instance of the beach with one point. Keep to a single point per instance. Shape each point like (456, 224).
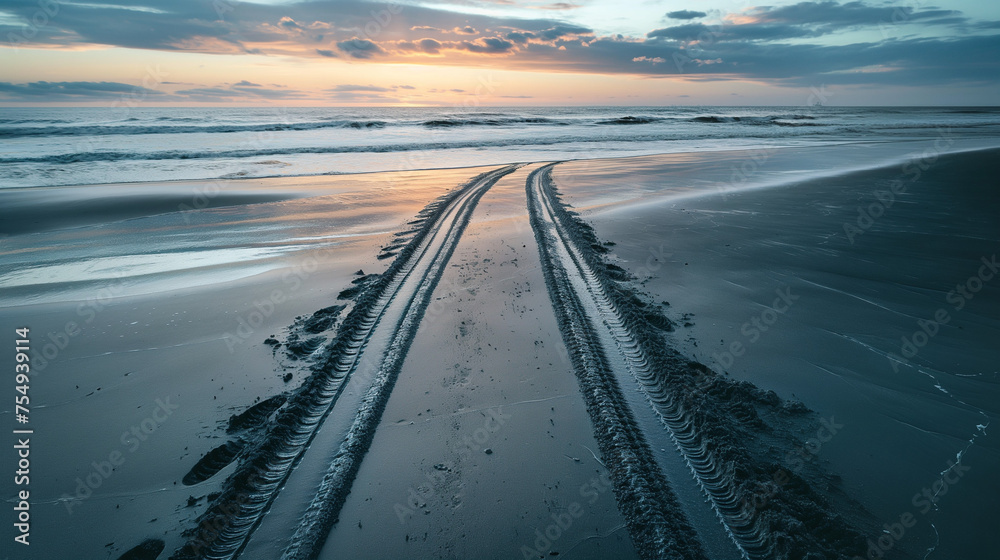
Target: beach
(725, 349)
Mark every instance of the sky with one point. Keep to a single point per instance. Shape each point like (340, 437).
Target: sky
(499, 52)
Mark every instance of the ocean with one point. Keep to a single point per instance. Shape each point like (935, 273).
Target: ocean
(145, 279)
(78, 146)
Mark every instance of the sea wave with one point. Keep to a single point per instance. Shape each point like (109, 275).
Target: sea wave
(105, 130)
(122, 155)
(631, 120)
(780, 120)
(497, 121)
(104, 156)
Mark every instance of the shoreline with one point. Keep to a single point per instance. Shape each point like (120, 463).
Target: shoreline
(788, 222)
(268, 178)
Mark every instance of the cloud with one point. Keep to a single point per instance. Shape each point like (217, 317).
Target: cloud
(488, 45)
(802, 20)
(520, 37)
(686, 14)
(801, 43)
(73, 91)
(564, 30)
(852, 13)
(357, 88)
(428, 46)
(361, 94)
(701, 32)
(360, 48)
(242, 90)
(558, 6)
(289, 23)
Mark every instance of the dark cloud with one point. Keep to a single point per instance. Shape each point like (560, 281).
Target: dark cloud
(426, 46)
(559, 6)
(237, 92)
(208, 92)
(928, 45)
(804, 20)
(520, 37)
(229, 27)
(360, 48)
(487, 45)
(830, 13)
(361, 97)
(357, 88)
(918, 61)
(60, 91)
(686, 14)
(701, 32)
(562, 31)
(245, 84)
(429, 46)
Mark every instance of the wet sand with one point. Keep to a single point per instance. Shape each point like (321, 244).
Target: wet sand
(719, 259)
(487, 362)
(486, 436)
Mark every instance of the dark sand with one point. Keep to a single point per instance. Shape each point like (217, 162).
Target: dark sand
(165, 330)
(484, 374)
(720, 259)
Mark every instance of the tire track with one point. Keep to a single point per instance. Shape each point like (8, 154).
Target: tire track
(712, 422)
(378, 330)
(655, 520)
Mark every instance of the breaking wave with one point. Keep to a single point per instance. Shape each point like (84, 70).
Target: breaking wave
(105, 130)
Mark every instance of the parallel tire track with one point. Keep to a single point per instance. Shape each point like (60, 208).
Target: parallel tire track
(389, 310)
